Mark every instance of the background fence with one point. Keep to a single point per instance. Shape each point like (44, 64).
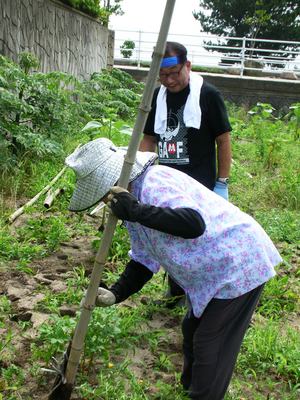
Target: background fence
(242, 54)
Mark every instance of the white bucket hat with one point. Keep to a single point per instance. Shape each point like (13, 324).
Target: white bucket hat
(98, 166)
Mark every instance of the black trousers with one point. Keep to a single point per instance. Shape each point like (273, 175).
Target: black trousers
(174, 288)
(212, 342)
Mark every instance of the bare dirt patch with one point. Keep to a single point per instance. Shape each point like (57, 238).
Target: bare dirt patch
(26, 291)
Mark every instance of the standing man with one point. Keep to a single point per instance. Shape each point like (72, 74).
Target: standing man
(189, 128)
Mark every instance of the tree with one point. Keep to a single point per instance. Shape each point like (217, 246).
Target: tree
(126, 48)
(111, 7)
(260, 19)
(101, 9)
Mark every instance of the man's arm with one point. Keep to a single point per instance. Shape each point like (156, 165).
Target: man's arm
(223, 155)
(148, 143)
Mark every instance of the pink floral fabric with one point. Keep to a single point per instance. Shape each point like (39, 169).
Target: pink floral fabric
(232, 257)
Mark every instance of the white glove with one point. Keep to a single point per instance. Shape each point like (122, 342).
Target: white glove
(105, 298)
(113, 191)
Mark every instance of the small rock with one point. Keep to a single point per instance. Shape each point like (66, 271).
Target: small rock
(62, 256)
(28, 303)
(68, 310)
(42, 279)
(15, 293)
(38, 319)
(22, 316)
(58, 286)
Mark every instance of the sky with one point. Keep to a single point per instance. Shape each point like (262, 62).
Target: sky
(146, 15)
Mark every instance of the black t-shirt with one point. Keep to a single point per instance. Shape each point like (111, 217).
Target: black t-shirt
(191, 150)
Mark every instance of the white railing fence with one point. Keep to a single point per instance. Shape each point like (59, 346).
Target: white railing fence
(213, 51)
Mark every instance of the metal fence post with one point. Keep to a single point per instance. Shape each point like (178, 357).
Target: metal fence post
(139, 50)
(243, 56)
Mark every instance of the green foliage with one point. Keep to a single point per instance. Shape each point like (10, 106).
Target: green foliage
(53, 337)
(281, 225)
(294, 116)
(5, 310)
(73, 294)
(126, 48)
(12, 377)
(278, 298)
(40, 112)
(48, 231)
(275, 20)
(35, 110)
(265, 160)
(28, 61)
(95, 9)
(11, 248)
(267, 350)
(37, 237)
(111, 95)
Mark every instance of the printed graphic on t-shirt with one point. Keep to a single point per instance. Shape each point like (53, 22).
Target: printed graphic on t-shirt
(172, 144)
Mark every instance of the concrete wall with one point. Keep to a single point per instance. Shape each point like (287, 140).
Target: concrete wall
(247, 90)
(62, 38)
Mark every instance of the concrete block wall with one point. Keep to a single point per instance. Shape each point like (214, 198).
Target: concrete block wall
(247, 91)
(62, 38)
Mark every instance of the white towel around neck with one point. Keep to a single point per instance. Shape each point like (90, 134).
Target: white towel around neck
(191, 112)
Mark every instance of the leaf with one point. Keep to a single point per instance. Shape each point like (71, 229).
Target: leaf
(126, 130)
(92, 125)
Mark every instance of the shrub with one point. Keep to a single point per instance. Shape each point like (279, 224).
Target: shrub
(126, 48)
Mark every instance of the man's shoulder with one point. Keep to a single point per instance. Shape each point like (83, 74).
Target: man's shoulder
(155, 93)
(208, 89)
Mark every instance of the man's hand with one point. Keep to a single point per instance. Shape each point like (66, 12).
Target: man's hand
(105, 298)
(221, 189)
(123, 204)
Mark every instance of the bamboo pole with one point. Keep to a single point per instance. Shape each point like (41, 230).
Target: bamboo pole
(51, 196)
(20, 211)
(77, 343)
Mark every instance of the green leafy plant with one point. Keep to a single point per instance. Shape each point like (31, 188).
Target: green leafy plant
(294, 116)
(126, 48)
(32, 111)
(95, 9)
(269, 351)
(53, 337)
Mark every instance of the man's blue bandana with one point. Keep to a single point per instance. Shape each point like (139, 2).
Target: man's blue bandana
(169, 62)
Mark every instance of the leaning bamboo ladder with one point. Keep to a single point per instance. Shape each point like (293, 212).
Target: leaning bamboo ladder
(63, 390)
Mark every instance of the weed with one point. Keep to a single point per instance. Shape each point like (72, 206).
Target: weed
(278, 298)
(281, 225)
(269, 349)
(53, 336)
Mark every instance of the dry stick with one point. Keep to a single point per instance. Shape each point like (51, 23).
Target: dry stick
(51, 196)
(97, 209)
(90, 298)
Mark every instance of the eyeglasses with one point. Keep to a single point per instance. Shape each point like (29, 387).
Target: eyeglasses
(172, 75)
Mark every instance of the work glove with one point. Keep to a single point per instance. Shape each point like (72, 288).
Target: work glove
(221, 189)
(123, 204)
(105, 298)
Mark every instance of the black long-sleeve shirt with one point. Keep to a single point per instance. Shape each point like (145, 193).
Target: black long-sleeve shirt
(183, 222)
